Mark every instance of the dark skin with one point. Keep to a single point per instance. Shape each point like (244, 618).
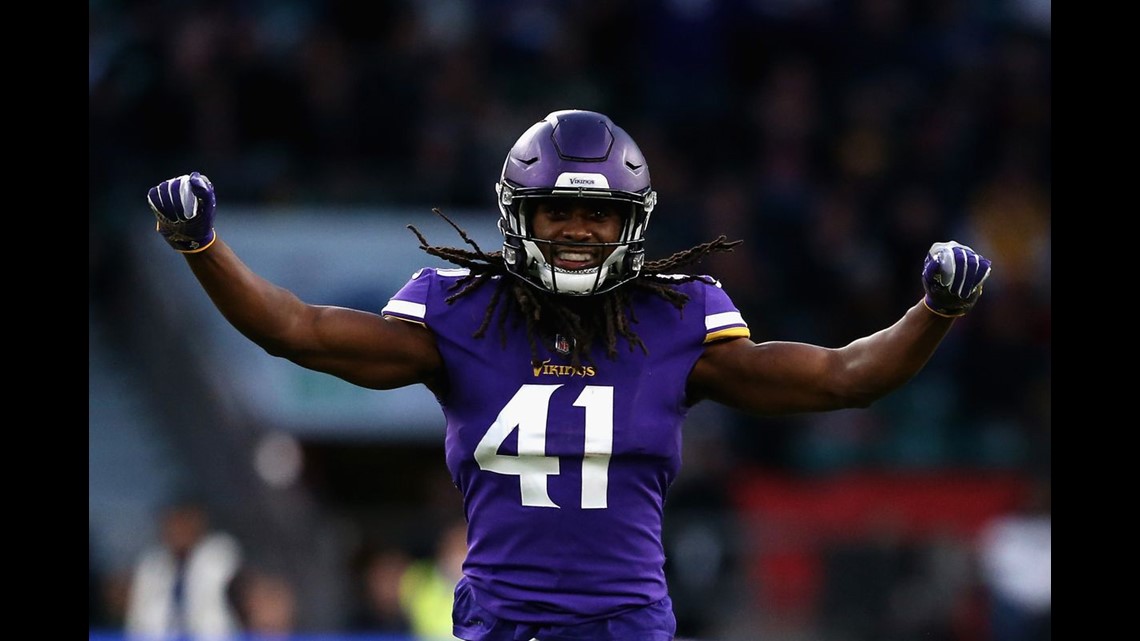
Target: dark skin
(587, 221)
(379, 352)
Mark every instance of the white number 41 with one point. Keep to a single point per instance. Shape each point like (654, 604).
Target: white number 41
(527, 411)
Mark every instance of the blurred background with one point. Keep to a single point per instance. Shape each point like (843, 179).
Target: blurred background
(837, 138)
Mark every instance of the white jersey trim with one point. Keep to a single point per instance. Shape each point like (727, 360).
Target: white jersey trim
(405, 308)
(724, 319)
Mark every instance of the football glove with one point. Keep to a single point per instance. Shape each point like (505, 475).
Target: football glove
(952, 275)
(184, 207)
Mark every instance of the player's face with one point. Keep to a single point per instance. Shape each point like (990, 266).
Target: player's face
(578, 220)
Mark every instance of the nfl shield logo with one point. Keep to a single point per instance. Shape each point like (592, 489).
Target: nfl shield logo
(562, 345)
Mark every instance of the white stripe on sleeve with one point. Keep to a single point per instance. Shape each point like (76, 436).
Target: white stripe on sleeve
(405, 308)
(723, 319)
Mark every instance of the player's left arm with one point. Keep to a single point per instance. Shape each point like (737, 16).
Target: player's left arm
(779, 377)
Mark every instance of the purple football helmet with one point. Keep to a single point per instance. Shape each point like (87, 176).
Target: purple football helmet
(578, 154)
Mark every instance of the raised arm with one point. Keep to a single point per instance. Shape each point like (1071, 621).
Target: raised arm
(360, 347)
(783, 377)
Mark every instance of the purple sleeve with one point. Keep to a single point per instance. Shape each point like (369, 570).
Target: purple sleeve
(722, 319)
(410, 303)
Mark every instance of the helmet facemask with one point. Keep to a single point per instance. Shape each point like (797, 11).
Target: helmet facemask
(523, 251)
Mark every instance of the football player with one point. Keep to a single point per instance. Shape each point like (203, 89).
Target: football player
(565, 363)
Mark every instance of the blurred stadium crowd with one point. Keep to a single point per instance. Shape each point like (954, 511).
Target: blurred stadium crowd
(837, 138)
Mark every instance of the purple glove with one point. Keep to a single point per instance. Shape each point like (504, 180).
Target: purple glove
(952, 276)
(184, 207)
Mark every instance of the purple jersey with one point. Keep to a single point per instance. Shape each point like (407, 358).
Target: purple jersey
(564, 470)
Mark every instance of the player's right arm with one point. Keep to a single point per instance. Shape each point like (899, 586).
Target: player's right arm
(361, 347)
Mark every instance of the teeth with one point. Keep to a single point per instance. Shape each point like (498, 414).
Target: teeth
(575, 256)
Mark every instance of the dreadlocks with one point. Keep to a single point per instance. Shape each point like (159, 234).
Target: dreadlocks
(604, 316)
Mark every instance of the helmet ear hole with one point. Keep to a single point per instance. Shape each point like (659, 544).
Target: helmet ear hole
(510, 254)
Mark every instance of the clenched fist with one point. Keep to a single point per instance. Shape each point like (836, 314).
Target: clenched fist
(952, 275)
(184, 207)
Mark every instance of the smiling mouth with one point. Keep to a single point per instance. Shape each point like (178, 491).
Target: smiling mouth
(573, 259)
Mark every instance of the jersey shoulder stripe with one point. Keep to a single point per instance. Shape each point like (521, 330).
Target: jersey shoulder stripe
(426, 285)
(722, 318)
(731, 332)
(405, 310)
(410, 303)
